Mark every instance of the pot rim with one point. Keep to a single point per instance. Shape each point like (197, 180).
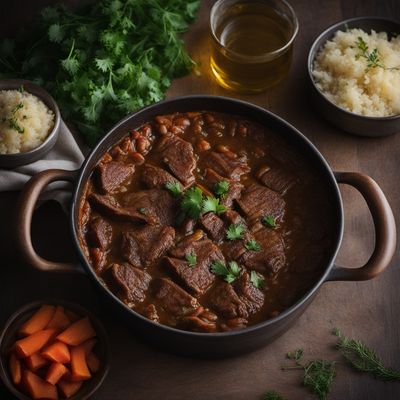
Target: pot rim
(181, 99)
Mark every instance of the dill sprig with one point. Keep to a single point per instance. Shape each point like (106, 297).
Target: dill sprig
(272, 395)
(372, 58)
(364, 359)
(318, 374)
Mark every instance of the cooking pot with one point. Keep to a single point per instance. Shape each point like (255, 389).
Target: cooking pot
(252, 337)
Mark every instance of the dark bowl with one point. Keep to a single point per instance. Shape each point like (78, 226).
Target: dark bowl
(225, 343)
(9, 335)
(28, 157)
(350, 122)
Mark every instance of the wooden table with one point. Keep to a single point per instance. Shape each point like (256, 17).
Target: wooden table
(365, 310)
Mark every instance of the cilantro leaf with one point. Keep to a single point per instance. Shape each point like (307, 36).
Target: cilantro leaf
(191, 259)
(269, 221)
(211, 204)
(56, 33)
(221, 188)
(142, 210)
(252, 245)
(174, 187)
(229, 273)
(235, 231)
(192, 202)
(257, 280)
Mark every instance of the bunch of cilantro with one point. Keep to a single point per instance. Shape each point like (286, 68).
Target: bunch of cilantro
(105, 61)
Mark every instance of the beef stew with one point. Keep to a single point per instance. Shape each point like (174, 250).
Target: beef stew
(206, 222)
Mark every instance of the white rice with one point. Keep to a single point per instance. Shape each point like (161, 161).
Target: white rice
(341, 74)
(34, 118)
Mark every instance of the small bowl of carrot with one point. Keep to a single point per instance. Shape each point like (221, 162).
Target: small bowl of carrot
(53, 350)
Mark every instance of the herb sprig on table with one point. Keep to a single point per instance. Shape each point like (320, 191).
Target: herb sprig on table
(105, 61)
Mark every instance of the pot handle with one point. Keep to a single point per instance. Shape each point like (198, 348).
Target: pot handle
(385, 229)
(25, 207)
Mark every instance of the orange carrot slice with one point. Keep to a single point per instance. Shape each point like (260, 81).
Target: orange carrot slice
(57, 352)
(79, 367)
(77, 333)
(15, 369)
(67, 388)
(35, 361)
(93, 362)
(55, 372)
(59, 321)
(37, 387)
(31, 344)
(88, 345)
(38, 321)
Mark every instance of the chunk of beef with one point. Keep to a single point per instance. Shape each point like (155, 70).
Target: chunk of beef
(252, 297)
(271, 258)
(197, 278)
(178, 155)
(235, 188)
(213, 225)
(155, 177)
(108, 205)
(226, 165)
(225, 301)
(98, 257)
(130, 283)
(276, 179)
(99, 233)
(144, 245)
(198, 324)
(157, 205)
(257, 201)
(150, 312)
(173, 299)
(112, 174)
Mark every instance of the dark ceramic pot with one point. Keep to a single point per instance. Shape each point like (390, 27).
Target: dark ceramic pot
(253, 337)
(350, 122)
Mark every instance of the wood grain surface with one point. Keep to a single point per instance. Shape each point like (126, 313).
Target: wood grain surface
(365, 310)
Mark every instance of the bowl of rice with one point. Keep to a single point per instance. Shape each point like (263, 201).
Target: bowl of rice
(29, 122)
(354, 73)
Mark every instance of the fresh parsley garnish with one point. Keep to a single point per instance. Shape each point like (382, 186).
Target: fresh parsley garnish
(272, 395)
(269, 221)
(252, 245)
(257, 280)
(142, 210)
(372, 58)
(191, 259)
(211, 204)
(221, 188)
(174, 187)
(108, 60)
(235, 231)
(364, 359)
(192, 202)
(229, 273)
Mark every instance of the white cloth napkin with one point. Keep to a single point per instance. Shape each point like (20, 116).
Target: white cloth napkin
(64, 155)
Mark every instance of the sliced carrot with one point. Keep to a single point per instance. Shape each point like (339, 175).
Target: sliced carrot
(60, 321)
(77, 333)
(89, 344)
(31, 344)
(37, 387)
(35, 361)
(38, 321)
(79, 367)
(55, 372)
(15, 369)
(57, 352)
(93, 362)
(68, 388)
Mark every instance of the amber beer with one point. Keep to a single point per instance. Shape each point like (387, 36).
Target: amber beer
(252, 43)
